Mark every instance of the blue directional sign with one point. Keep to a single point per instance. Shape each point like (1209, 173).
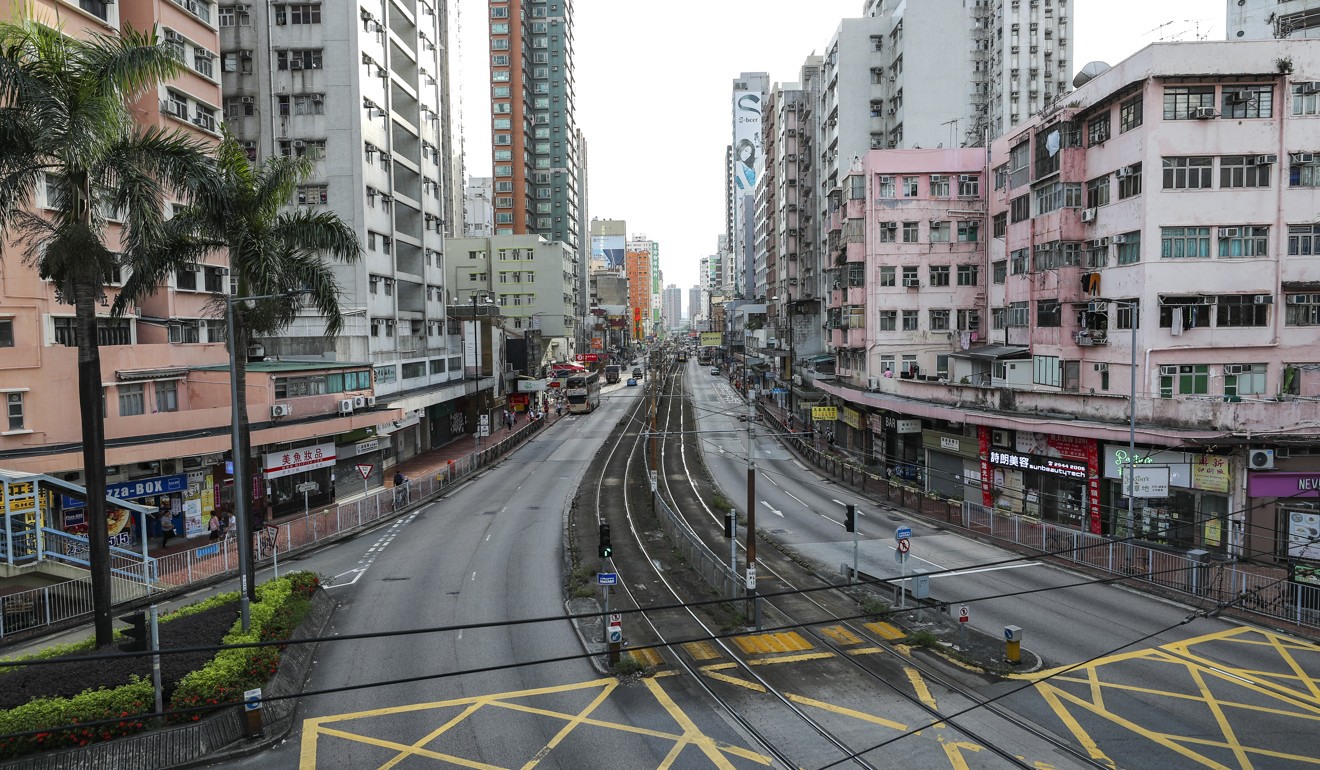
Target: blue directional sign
(607, 578)
(903, 533)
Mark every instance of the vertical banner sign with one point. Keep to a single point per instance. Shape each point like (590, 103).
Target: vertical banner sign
(987, 477)
(1093, 484)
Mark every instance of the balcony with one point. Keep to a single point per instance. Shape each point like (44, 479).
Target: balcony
(848, 338)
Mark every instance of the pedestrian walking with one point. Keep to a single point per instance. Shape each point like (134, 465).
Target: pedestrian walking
(166, 529)
(559, 409)
(214, 526)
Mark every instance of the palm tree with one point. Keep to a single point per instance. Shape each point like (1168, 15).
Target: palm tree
(272, 251)
(65, 119)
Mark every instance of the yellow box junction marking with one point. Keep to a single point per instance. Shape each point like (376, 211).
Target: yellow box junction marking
(701, 650)
(788, 641)
(841, 635)
(790, 659)
(648, 656)
(885, 630)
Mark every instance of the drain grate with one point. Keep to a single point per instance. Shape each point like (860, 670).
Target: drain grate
(393, 579)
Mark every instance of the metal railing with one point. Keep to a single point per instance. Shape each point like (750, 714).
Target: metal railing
(35, 608)
(716, 573)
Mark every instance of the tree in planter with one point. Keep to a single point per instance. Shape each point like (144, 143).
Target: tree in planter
(271, 252)
(65, 123)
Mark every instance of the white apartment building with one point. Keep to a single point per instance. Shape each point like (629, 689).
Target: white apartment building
(478, 208)
(1272, 19)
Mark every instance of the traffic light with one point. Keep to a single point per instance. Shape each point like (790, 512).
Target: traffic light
(850, 518)
(728, 524)
(606, 550)
(136, 635)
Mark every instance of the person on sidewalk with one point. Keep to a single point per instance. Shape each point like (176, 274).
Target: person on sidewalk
(214, 526)
(166, 528)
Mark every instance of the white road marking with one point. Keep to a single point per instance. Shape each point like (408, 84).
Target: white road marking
(795, 497)
(984, 569)
(780, 514)
(771, 479)
(799, 464)
(832, 521)
(474, 577)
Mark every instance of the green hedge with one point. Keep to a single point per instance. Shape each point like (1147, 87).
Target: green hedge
(284, 603)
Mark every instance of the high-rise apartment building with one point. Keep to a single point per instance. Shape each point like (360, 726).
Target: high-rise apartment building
(638, 265)
(535, 141)
(360, 94)
(673, 307)
(693, 305)
(1266, 19)
(746, 164)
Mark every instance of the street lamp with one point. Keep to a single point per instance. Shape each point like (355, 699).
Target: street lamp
(246, 578)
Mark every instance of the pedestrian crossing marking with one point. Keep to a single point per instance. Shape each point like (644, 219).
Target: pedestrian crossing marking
(789, 641)
(886, 630)
(841, 634)
(701, 650)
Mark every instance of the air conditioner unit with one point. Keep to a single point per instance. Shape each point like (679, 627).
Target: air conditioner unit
(281, 410)
(371, 401)
(1202, 113)
(1049, 246)
(299, 143)
(1263, 299)
(359, 402)
(317, 97)
(1303, 158)
(1260, 459)
(872, 384)
(1230, 232)
(1265, 160)
(241, 8)
(1237, 97)
(1309, 88)
(296, 64)
(248, 100)
(1119, 239)
(1232, 368)
(382, 74)
(1168, 370)
(377, 112)
(999, 437)
(346, 406)
(173, 37)
(1088, 215)
(1102, 367)
(1123, 172)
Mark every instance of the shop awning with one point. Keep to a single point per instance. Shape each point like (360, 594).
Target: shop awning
(993, 352)
(821, 358)
(149, 374)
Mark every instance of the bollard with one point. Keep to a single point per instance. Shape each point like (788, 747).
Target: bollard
(1013, 644)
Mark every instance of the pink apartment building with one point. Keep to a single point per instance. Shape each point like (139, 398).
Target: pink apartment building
(165, 368)
(1160, 221)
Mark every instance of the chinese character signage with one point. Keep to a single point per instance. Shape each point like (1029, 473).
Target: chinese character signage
(1210, 472)
(852, 417)
(302, 459)
(1057, 467)
(822, 413)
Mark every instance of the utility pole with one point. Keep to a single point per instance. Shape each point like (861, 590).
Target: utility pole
(753, 604)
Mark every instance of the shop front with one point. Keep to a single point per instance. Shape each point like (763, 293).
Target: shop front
(851, 435)
(299, 478)
(352, 456)
(1287, 503)
(952, 465)
(1190, 511)
(178, 496)
(903, 458)
(1045, 488)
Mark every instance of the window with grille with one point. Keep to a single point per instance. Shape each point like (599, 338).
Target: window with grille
(1021, 261)
(1097, 130)
(939, 275)
(1180, 101)
(1191, 173)
(1247, 101)
(1184, 242)
(14, 408)
(1244, 242)
(1242, 310)
(939, 186)
(1302, 310)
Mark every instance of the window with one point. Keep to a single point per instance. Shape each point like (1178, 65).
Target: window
(887, 276)
(1305, 99)
(1192, 173)
(14, 402)
(1049, 313)
(969, 185)
(910, 323)
(1046, 370)
(909, 187)
(910, 280)
(1127, 313)
(1019, 314)
(1193, 380)
(1097, 131)
(939, 275)
(909, 232)
(1129, 114)
(167, 396)
(6, 333)
(1097, 192)
(1302, 310)
(1129, 250)
(309, 104)
(109, 331)
(1047, 159)
(131, 400)
(939, 320)
(939, 232)
(1021, 261)
(1097, 254)
(939, 186)
(1179, 101)
(1000, 225)
(1303, 174)
(311, 195)
(1001, 176)
(999, 318)
(1244, 242)
(1000, 270)
(1184, 313)
(1243, 171)
(185, 278)
(1248, 101)
(1130, 184)
(969, 275)
(1244, 379)
(298, 59)
(968, 231)
(1019, 209)
(1184, 242)
(304, 14)
(226, 17)
(888, 320)
(1242, 310)
(969, 320)
(1303, 240)
(887, 187)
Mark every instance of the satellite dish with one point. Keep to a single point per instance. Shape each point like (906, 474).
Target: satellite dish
(1088, 73)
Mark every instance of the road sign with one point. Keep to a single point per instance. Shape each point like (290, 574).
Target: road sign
(964, 614)
(607, 579)
(751, 577)
(307, 486)
(616, 634)
(905, 545)
(483, 419)
(901, 556)
(483, 430)
(616, 618)
(252, 700)
(903, 533)
(364, 470)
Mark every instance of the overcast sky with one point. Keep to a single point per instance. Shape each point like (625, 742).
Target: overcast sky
(654, 82)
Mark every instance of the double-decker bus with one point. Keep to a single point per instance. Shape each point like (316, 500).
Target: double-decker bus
(583, 392)
(612, 372)
(705, 356)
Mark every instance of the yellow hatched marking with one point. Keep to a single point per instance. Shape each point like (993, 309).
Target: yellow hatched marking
(922, 691)
(714, 673)
(790, 658)
(954, 752)
(790, 641)
(441, 730)
(885, 630)
(701, 650)
(841, 635)
(647, 657)
(847, 712)
(568, 728)
(713, 750)
(866, 651)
